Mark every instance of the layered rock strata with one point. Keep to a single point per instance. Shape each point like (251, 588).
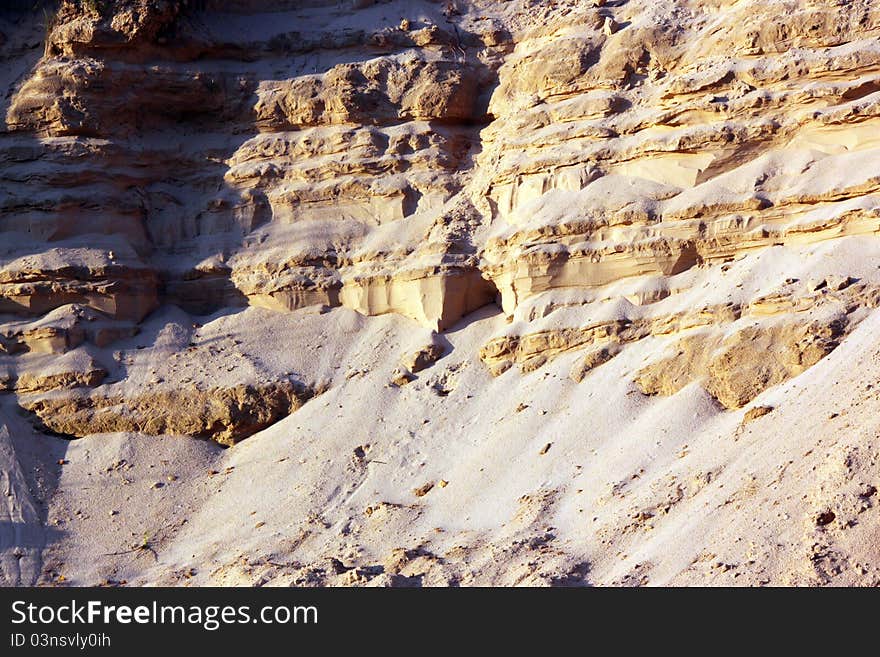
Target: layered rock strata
(586, 166)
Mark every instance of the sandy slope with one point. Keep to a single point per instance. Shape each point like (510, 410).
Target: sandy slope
(632, 490)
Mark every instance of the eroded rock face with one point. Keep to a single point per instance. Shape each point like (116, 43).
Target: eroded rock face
(741, 366)
(225, 415)
(306, 155)
(595, 169)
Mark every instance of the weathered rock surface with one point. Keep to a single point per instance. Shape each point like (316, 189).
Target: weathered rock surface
(225, 415)
(680, 195)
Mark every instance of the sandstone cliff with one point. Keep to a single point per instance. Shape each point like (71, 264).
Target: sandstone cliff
(382, 222)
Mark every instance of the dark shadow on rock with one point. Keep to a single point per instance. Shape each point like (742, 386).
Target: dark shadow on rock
(484, 312)
(21, 44)
(404, 582)
(578, 576)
